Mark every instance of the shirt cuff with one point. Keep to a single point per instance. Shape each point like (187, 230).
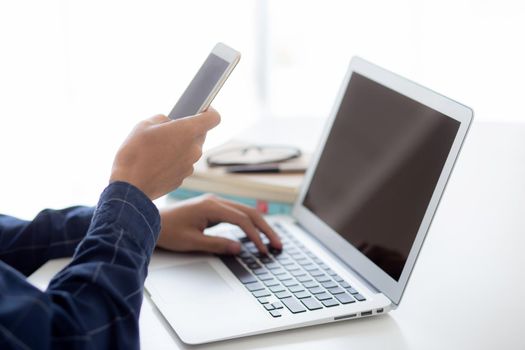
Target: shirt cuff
(127, 207)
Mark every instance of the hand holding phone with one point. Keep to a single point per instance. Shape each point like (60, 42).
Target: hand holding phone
(207, 82)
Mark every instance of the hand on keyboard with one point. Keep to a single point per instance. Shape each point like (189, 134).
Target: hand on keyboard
(183, 226)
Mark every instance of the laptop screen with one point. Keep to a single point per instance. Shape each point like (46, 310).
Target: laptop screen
(378, 170)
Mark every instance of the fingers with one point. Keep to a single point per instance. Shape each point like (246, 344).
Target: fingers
(258, 220)
(220, 212)
(217, 245)
(204, 121)
(158, 119)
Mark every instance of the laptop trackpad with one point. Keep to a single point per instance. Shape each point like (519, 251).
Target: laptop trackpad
(187, 282)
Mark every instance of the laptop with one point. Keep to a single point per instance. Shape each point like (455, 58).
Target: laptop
(356, 228)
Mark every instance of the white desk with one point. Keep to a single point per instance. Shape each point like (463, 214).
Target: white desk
(467, 289)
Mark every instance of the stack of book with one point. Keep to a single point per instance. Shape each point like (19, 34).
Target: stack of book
(270, 193)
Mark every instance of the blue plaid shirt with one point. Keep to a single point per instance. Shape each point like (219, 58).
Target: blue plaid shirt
(93, 303)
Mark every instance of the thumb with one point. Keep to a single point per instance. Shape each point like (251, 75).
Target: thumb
(204, 121)
(218, 245)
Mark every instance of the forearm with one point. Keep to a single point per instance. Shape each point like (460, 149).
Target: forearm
(95, 301)
(26, 245)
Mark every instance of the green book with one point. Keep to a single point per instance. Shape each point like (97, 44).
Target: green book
(264, 206)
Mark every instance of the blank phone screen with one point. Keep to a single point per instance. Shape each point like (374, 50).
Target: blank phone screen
(200, 87)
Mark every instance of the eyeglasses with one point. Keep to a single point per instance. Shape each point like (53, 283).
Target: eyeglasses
(252, 155)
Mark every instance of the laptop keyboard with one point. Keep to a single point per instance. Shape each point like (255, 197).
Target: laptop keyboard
(292, 278)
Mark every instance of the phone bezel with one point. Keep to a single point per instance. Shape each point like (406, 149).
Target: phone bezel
(231, 56)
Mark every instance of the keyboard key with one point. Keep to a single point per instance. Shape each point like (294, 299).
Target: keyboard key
(269, 307)
(254, 266)
(244, 254)
(237, 269)
(275, 313)
(254, 286)
(297, 256)
(278, 288)
(310, 284)
(316, 273)
(298, 273)
(266, 259)
(303, 261)
(316, 290)
(265, 277)
(282, 257)
(277, 305)
(323, 296)
(323, 278)
(253, 250)
(309, 267)
(260, 271)
(248, 244)
(302, 294)
(331, 272)
(278, 271)
(273, 265)
(345, 284)
(295, 289)
(293, 305)
(352, 291)
(290, 283)
(345, 298)
(311, 303)
(261, 293)
(263, 300)
(283, 294)
(359, 297)
(329, 284)
(292, 267)
(337, 278)
(336, 290)
(284, 277)
(330, 302)
(317, 260)
(323, 266)
(272, 282)
(304, 278)
(248, 260)
(287, 262)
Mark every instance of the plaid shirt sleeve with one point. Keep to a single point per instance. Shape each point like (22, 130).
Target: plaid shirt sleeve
(94, 302)
(27, 245)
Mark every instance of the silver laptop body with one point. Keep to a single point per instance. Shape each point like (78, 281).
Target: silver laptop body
(356, 229)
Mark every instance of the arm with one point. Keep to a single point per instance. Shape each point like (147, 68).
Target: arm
(27, 245)
(95, 301)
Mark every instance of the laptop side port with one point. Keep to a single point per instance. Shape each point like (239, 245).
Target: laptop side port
(379, 311)
(366, 313)
(344, 316)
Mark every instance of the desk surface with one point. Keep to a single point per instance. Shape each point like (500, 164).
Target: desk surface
(467, 289)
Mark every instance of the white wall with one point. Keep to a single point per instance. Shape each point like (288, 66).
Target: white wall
(75, 76)
(470, 50)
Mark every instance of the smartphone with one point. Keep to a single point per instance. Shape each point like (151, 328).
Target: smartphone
(207, 82)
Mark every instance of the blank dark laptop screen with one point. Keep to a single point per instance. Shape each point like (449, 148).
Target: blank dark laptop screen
(378, 170)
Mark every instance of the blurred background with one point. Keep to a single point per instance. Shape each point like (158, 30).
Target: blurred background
(75, 76)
